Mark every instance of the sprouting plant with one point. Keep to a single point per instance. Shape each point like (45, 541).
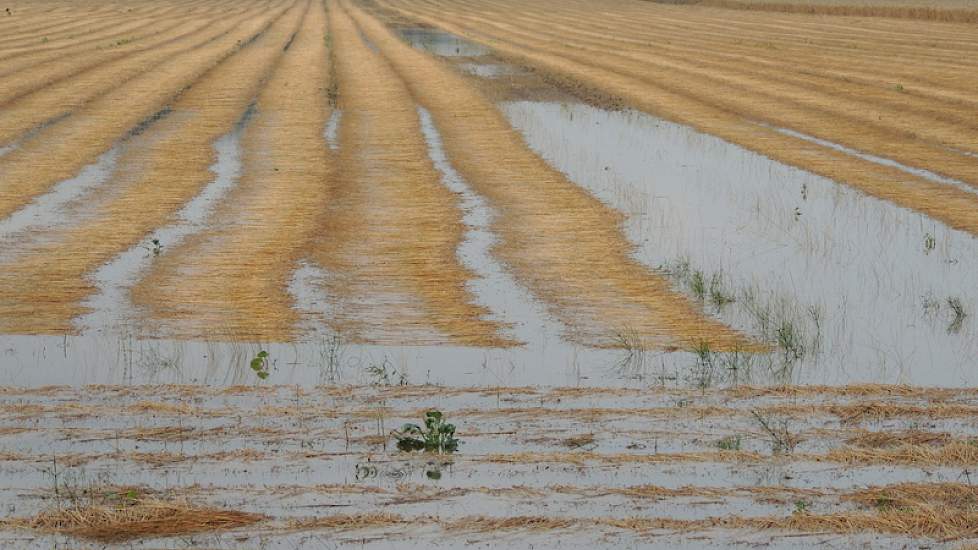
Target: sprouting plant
(384, 374)
(801, 506)
(718, 293)
(782, 440)
(260, 365)
(437, 436)
(633, 350)
(697, 284)
(930, 243)
(331, 357)
(899, 87)
(729, 443)
(704, 354)
(790, 341)
(957, 309)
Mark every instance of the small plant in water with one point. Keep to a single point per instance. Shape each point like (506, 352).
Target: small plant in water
(437, 436)
(260, 364)
(801, 507)
(385, 374)
(930, 243)
(697, 284)
(781, 438)
(957, 309)
(729, 443)
(718, 292)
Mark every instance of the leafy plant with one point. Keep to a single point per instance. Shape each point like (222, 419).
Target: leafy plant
(260, 364)
(437, 436)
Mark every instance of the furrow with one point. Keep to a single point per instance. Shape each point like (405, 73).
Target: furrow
(32, 70)
(876, 104)
(103, 31)
(561, 242)
(60, 150)
(766, 97)
(946, 203)
(57, 100)
(392, 229)
(43, 284)
(234, 277)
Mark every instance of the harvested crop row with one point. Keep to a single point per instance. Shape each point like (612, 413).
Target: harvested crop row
(80, 26)
(103, 33)
(949, 204)
(538, 395)
(946, 525)
(392, 228)
(911, 39)
(560, 241)
(234, 277)
(43, 285)
(879, 106)
(98, 33)
(767, 96)
(60, 150)
(59, 99)
(31, 72)
(956, 12)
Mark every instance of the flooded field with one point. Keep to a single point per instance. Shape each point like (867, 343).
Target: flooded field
(670, 275)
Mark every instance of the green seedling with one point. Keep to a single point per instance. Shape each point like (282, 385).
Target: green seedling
(260, 364)
(437, 436)
(729, 443)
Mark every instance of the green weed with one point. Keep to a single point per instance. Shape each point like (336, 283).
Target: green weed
(260, 364)
(437, 436)
(729, 443)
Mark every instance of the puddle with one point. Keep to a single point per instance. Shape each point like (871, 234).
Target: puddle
(873, 280)
(110, 306)
(487, 70)
(291, 454)
(850, 288)
(332, 131)
(493, 288)
(50, 206)
(441, 43)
